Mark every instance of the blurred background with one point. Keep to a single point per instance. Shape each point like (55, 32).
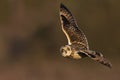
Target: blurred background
(31, 35)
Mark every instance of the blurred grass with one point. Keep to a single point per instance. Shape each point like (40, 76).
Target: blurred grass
(31, 35)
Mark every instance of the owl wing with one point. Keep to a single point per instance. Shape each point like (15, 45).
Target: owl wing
(96, 56)
(70, 28)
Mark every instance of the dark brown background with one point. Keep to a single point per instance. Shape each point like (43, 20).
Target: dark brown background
(31, 35)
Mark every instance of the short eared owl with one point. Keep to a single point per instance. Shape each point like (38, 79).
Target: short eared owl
(77, 47)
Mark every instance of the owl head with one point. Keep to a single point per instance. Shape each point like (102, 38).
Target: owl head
(66, 50)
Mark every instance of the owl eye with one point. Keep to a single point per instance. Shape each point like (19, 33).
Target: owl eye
(68, 48)
(62, 50)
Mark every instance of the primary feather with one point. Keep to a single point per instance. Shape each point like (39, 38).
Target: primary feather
(77, 47)
(70, 27)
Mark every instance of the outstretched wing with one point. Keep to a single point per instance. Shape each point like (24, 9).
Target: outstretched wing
(70, 28)
(100, 58)
(96, 56)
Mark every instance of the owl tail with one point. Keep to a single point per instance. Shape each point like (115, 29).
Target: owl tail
(99, 58)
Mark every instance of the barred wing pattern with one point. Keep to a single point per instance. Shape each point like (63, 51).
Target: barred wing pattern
(70, 28)
(77, 47)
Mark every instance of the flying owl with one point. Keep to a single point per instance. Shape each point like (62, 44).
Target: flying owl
(77, 47)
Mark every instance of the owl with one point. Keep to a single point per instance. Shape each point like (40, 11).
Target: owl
(77, 47)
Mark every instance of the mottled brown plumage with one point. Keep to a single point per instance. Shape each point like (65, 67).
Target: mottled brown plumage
(70, 26)
(77, 47)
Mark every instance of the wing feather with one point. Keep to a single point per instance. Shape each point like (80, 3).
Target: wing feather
(70, 28)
